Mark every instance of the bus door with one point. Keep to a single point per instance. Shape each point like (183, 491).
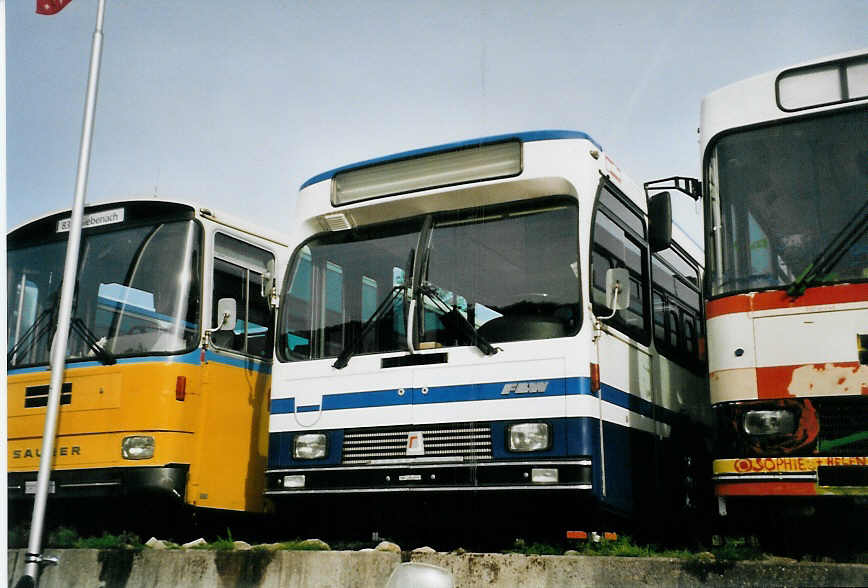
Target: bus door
(235, 391)
(619, 254)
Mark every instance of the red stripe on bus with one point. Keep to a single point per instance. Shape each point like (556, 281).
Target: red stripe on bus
(774, 381)
(839, 294)
(766, 489)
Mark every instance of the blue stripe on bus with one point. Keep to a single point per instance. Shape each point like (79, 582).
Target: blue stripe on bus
(624, 400)
(524, 137)
(248, 363)
(188, 358)
(371, 399)
(438, 394)
(477, 392)
(191, 358)
(490, 391)
(282, 406)
(636, 404)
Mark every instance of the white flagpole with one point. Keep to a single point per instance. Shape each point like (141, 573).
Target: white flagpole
(4, 520)
(58, 348)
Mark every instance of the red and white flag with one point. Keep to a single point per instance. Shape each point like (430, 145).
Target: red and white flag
(50, 6)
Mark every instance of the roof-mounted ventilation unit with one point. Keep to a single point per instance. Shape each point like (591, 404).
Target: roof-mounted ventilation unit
(336, 221)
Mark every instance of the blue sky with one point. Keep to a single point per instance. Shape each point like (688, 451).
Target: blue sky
(235, 103)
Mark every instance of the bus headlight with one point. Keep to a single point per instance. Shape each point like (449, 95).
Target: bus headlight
(297, 481)
(769, 422)
(309, 446)
(138, 447)
(544, 475)
(527, 437)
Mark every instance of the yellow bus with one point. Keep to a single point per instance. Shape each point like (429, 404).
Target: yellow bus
(167, 381)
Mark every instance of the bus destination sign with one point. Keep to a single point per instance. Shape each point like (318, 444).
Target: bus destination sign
(96, 219)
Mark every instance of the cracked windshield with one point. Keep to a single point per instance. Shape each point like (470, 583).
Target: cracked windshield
(510, 272)
(136, 293)
(782, 196)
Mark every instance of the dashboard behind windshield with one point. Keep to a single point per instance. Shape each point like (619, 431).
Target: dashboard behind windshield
(779, 195)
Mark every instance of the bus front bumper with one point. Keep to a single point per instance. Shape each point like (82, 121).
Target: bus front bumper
(490, 476)
(792, 476)
(169, 481)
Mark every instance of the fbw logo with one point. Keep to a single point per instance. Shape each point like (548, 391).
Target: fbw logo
(415, 443)
(524, 388)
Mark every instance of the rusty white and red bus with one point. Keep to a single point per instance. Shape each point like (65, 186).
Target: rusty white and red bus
(785, 166)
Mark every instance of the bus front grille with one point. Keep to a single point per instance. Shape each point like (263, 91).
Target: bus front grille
(843, 429)
(464, 442)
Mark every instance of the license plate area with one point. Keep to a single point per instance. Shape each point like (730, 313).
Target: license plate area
(30, 487)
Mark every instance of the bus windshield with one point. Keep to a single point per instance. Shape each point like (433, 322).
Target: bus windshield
(511, 272)
(136, 293)
(779, 195)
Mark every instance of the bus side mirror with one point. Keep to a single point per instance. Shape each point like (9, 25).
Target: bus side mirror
(268, 292)
(226, 314)
(659, 221)
(617, 289)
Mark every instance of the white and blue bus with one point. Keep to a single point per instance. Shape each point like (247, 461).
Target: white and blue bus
(487, 318)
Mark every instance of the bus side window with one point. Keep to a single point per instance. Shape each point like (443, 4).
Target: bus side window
(600, 265)
(618, 241)
(229, 282)
(690, 335)
(334, 315)
(238, 271)
(673, 328)
(676, 306)
(296, 341)
(659, 317)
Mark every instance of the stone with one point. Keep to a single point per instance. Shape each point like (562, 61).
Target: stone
(425, 549)
(195, 543)
(155, 543)
(315, 544)
(388, 546)
(242, 545)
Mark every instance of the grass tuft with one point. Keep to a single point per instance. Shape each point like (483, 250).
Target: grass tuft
(218, 545)
(738, 549)
(522, 547)
(124, 540)
(304, 545)
(63, 537)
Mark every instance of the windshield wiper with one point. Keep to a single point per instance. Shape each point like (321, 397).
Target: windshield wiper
(457, 322)
(351, 347)
(34, 333)
(833, 252)
(105, 356)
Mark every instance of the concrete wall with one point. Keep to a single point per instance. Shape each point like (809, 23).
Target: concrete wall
(544, 571)
(211, 569)
(371, 569)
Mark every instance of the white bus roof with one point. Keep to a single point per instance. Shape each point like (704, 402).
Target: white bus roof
(755, 100)
(524, 137)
